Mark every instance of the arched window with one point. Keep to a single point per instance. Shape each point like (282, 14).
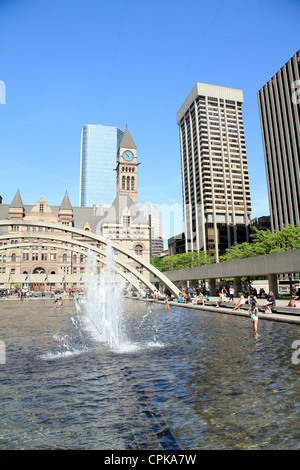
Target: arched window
(81, 258)
(128, 183)
(74, 258)
(39, 271)
(64, 258)
(123, 182)
(132, 183)
(138, 249)
(13, 258)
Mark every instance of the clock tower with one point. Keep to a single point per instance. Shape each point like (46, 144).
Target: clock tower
(127, 166)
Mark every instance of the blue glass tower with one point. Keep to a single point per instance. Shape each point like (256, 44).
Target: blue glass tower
(99, 147)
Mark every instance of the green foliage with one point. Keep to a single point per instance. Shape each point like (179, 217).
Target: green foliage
(265, 242)
(181, 261)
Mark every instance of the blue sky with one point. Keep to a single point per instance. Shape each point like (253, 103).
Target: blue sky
(66, 63)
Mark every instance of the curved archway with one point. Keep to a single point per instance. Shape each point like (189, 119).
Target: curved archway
(100, 254)
(115, 245)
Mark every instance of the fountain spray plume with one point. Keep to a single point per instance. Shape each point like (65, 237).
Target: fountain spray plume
(102, 299)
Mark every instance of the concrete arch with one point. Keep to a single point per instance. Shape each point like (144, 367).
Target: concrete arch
(76, 250)
(116, 246)
(40, 235)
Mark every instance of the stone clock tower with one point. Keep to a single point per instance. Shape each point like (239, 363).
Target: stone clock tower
(127, 166)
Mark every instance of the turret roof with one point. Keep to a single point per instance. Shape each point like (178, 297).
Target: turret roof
(127, 141)
(17, 201)
(66, 204)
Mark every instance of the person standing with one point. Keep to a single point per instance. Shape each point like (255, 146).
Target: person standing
(167, 302)
(253, 312)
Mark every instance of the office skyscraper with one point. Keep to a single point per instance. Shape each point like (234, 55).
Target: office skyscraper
(279, 108)
(215, 183)
(99, 147)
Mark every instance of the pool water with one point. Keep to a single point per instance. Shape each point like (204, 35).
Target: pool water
(181, 379)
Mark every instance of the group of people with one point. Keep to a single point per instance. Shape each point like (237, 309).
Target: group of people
(58, 303)
(226, 294)
(252, 301)
(199, 296)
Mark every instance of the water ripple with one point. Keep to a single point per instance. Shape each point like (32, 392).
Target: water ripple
(184, 380)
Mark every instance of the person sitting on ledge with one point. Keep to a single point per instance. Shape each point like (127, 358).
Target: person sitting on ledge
(292, 302)
(201, 298)
(179, 298)
(221, 299)
(240, 302)
(271, 302)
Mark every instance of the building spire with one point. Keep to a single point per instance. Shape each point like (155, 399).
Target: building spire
(17, 201)
(16, 209)
(66, 204)
(127, 141)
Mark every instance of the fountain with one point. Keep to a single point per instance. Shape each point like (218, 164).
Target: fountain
(102, 301)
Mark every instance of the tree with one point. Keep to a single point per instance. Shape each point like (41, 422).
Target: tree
(265, 242)
(157, 262)
(182, 260)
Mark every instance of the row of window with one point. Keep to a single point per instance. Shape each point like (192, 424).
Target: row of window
(44, 257)
(128, 183)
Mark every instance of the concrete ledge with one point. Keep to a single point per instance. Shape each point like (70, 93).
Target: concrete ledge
(243, 312)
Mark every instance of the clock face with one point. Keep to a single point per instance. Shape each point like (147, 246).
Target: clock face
(127, 155)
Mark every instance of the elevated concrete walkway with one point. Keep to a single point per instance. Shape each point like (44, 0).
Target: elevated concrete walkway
(265, 265)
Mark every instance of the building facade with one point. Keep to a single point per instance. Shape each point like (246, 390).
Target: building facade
(125, 220)
(60, 267)
(154, 219)
(215, 182)
(279, 109)
(99, 147)
(24, 255)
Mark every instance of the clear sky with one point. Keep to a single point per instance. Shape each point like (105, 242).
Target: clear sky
(66, 63)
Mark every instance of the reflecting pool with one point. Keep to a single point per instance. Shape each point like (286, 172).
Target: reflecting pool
(182, 379)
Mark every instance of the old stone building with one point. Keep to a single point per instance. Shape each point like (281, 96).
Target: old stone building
(38, 263)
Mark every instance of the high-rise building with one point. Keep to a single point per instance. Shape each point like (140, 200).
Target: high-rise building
(99, 147)
(279, 108)
(215, 183)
